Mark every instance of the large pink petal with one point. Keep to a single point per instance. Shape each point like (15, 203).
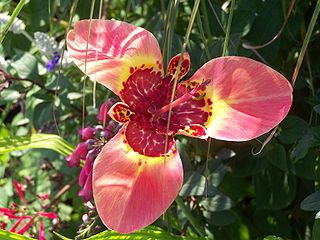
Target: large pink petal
(244, 98)
(132, 190)
(115, 51)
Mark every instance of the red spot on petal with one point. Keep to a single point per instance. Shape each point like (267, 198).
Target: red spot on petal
(210, 113)
(209, 101)
(131, 69)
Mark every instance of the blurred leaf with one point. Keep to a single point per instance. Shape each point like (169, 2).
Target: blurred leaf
(272, 222)
(274, 188)
(221, 218)
(217, 203)
(195, 185)
(42, 114)
(272, 238)
(249, 166)
(317, 108)
(305, 167)
(268, 19)
(277, 157)
(5, 235)
(291, 129)
(316, 230)
(8, 95)
(144, 234)
(311, 202)
(310, 139)
(235, 187)
(61, 236)
(26, 65)
(37, 140)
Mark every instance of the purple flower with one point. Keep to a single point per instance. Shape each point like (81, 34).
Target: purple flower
(79, 153)
(86, 191)
(87, 133)
(51, 64)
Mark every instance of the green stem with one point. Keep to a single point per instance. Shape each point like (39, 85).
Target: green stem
(206, 20)
(170, 21)
(205, 42)
(95, 80)
(186, 211)
(11, 20)
(176, 76)
(306, 42)
(85, 64)
(226, 40)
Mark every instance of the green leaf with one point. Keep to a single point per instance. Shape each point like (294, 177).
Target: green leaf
(61, 236)
(37, 140)
(274, 188)
(305, 167)
(42, 114)
(311, 202)
(8, 95)
(144, 234)
(26, 65)
(277, 157)
(195, 185)
(316, 230)
(12, 236)
(317, 108)
(217, 203)
(272, 222)
(291, 129)
(310, 139)
(272, 238)
(221, 218)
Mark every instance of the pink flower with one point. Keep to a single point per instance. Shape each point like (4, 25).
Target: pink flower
(228, 98)
(87, 133)
(78, 154)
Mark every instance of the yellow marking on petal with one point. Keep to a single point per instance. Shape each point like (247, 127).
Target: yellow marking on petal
(132, 64)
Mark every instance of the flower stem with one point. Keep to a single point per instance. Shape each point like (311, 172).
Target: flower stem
(305, 43)
(186, 211)
(226, 39)
(176, 77)
(170, 20)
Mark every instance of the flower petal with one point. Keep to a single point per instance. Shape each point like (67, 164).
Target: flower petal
(194, 130)
(147, 142)
(116, 50)
(173, 65)
(120, 112)
(131, 190)
(19, 190)
(244, 98)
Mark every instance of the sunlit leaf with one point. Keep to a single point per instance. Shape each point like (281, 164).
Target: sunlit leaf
(37, 140)
(144, 234)
(5, 235)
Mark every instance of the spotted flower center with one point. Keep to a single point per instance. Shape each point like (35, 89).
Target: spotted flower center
(146, 103)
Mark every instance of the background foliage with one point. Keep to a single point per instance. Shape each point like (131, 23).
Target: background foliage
(248, 196)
